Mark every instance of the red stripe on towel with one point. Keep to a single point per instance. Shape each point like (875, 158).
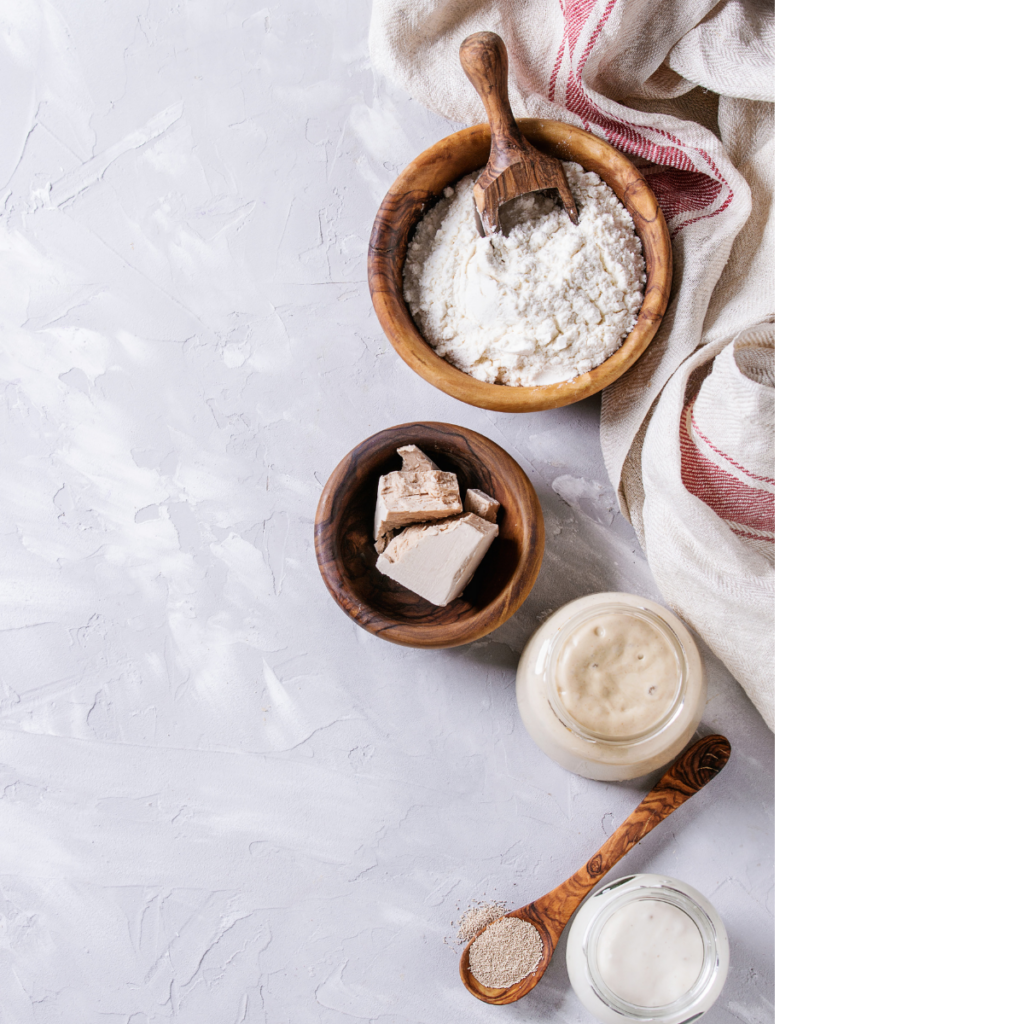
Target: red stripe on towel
(680, 187)
(726, 495)
(728, 458)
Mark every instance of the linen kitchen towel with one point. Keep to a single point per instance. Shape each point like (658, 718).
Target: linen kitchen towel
(686, 89)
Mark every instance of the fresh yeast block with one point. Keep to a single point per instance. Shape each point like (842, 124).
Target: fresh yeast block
(417, 497)
(413, 460)
(482, 504)
(436, 560)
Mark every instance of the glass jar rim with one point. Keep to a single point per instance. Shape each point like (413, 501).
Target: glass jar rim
(569, 629)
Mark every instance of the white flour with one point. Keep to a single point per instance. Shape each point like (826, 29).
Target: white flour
(544, 304)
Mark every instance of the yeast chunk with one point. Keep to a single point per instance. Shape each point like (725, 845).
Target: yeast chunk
(416, 497)
(482, 504)
(437, 560)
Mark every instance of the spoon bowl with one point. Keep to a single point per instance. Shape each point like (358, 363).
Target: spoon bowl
(692, 770)
(549, 940)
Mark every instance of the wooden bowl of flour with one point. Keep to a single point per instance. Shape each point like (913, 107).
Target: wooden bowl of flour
(421, 184)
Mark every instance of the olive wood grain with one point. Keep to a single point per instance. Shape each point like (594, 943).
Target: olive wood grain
(422, 183)
(514, 166)
(347, 558)
(694, 768)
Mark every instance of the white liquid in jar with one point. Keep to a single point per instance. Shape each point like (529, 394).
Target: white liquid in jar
(650, 953)
(617, 675)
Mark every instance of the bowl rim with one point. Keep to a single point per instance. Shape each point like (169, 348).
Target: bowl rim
(426, 635)
(403, 207)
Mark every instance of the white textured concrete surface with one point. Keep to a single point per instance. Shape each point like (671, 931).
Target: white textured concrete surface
(220, 800)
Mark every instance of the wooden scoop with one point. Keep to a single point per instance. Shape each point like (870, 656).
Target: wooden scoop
(550, 914)
(514, 167)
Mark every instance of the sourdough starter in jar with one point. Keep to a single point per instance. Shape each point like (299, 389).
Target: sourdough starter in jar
(611, 686)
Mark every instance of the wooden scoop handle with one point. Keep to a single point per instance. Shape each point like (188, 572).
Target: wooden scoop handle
(695, 767)
(485, 61)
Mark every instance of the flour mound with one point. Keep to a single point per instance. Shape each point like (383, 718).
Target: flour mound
(543, 304)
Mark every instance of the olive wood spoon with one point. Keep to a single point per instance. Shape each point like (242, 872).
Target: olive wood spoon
(549, 915)
(514, 167)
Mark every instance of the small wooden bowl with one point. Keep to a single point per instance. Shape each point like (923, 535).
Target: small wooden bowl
(347, 559)
(421, 184)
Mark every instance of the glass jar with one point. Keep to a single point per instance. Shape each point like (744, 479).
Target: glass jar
(611, 686)
(613, 961)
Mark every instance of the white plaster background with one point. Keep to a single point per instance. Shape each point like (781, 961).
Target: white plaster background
(221, 800)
